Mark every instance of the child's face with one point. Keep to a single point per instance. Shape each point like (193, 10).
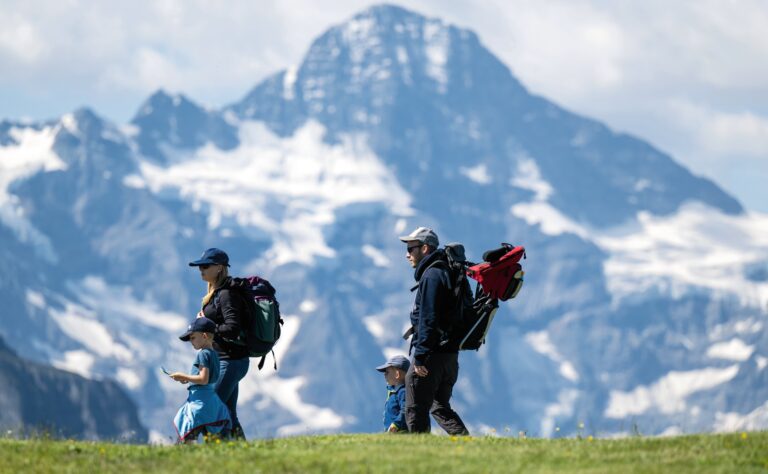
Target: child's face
(394, 376)
(199, 340)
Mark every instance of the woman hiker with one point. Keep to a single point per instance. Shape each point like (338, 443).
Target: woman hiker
(226, 309)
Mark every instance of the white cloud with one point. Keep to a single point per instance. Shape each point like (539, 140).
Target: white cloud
(716, 133)
(21, 40)
(745, 133)
(544, 41)
(147, 70)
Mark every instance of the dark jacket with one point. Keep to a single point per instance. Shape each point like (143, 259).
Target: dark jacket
(394, 408)
(227, 309)
(432, 309)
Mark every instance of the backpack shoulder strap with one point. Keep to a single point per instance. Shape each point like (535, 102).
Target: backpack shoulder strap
(437, 263)
(238, 287)
(440, 263)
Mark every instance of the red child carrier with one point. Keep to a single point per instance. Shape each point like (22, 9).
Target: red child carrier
(501, 275)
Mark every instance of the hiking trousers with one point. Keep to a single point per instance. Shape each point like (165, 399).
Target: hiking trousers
(432, 394)
(228, 388)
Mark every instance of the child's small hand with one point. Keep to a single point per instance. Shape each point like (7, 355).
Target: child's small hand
(179, 377)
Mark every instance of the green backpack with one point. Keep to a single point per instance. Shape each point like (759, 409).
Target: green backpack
(262, 327)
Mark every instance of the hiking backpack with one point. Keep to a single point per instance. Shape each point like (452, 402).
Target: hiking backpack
(262, 327)
(500, 277)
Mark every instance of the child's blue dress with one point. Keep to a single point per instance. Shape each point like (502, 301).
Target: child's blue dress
(203, 408)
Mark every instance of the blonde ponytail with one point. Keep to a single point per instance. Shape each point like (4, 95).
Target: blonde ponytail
(223, 274)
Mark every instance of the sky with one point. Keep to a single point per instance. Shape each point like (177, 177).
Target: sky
(689, 76)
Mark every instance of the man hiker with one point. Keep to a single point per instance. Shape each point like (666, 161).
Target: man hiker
(430, 379)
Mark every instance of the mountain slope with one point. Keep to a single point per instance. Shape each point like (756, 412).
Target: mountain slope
(43, 400)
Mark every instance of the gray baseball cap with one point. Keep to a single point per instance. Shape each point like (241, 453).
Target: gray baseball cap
(398, 361)
(424, 235)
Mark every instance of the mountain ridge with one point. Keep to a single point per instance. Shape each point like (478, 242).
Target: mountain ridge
(46, 401)
(469, 100)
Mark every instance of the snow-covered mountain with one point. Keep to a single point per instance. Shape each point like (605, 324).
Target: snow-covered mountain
(646, 285)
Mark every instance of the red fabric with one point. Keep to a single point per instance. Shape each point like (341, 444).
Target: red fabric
(495, 277)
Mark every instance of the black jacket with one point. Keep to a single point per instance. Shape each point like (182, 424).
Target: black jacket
(227, 309)
(433, 309)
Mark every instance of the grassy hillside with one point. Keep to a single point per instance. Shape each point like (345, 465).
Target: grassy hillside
(740, 452)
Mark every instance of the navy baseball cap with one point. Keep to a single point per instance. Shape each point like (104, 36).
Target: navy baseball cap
(398, 361)
(212, 256)
(199, 325)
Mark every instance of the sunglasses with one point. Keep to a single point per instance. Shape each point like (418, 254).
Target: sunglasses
(410, 249)
(205, 267)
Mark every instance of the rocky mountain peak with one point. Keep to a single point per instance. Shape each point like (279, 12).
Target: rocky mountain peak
(180, 123)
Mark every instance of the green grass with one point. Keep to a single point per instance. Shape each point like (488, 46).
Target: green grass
(738, 452)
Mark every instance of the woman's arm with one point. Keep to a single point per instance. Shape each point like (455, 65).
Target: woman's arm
(232, 306)
(199, 379)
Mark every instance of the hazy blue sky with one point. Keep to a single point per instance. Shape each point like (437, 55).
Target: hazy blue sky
(690, 76)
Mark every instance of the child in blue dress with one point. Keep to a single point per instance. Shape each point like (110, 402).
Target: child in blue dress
(394, 408)
(203, 412)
